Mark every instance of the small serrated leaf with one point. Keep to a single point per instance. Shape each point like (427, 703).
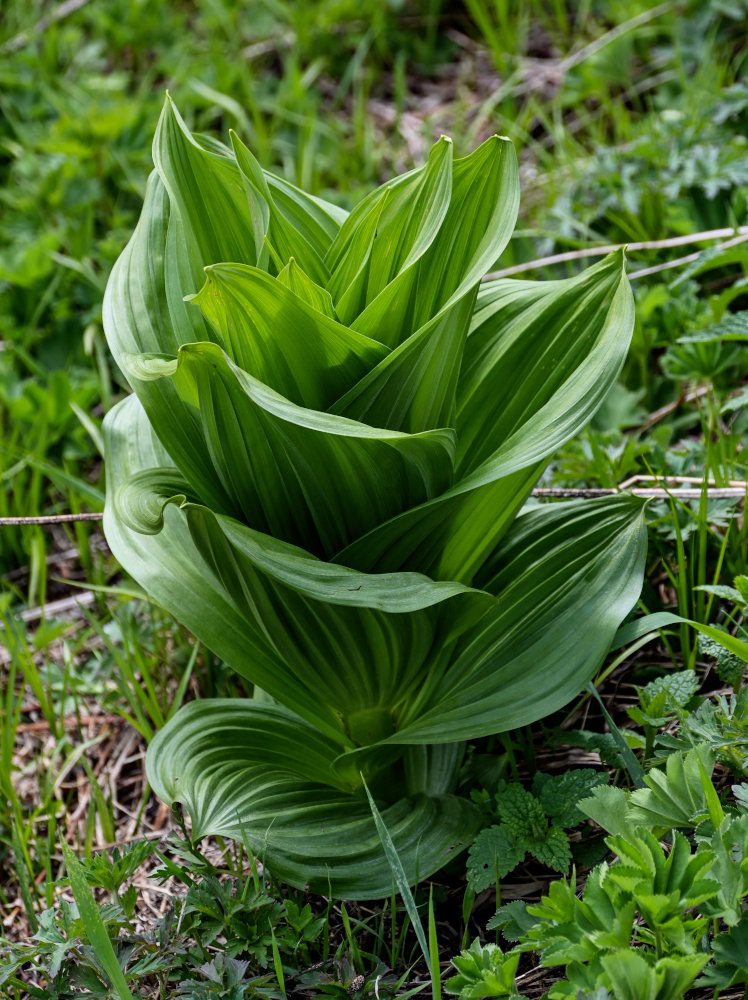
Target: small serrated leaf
(495, 851)
(559, 796)
(679, 687)
(608, 806)
(520, 811)
(554, 851)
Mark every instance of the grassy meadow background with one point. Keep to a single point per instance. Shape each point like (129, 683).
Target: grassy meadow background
(629, 119)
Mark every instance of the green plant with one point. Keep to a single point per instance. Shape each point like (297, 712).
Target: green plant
(661, 701)
(680, 796)
(645, 900)
(223, 935)
(530, 823)
(94, 926)
(720, 723)
(319, 474)
(664, 905)
(484, 971)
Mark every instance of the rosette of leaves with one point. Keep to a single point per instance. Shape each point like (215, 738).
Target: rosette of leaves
(333, 429)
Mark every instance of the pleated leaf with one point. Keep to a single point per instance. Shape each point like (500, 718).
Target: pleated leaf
(286, 235)
(206, 192)
(388, 232)
(294, 277)
(279, 339)
(171, 569)
(257, 773)
(362, 642)
(564, 580)
(413, 389)
(485, 191)
(540, 359)
(265, 455)
(584, 326)
(305, 630)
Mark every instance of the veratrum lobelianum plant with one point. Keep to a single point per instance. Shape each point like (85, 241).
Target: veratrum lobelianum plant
(333, 429)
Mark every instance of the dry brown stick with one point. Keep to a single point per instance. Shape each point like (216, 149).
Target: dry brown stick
(70, 722)
(711, 493)
(49, 519)
(648, 492)
(739, 234)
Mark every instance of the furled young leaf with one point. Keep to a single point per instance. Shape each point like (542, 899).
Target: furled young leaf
(273, 335)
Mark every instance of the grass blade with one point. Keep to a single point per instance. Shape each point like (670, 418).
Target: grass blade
(401, 882)
(94, 925)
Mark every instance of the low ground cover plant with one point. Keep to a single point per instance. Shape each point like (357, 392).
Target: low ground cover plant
(332, 432)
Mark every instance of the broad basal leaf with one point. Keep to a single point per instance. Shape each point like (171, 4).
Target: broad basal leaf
(256, 773)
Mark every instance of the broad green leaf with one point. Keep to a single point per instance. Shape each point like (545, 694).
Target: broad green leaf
(317, 220)
(730, 957)
(485, 190)
(608, 806)
(495, 852)
(564, 580)
(172, 571)
(206, 192)
(138, 321)
(305, 235)
(276, 337)
(632, 978)
(540, 359)
(331, 624)
(729, 843)
(264, 456)
(136, 316)
(451, 536)
(304, 630)
(389, 231)
(448, 537)
(256, 772)
(413, 389)
(295, 278)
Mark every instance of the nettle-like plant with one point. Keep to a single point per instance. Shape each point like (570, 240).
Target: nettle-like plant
(333, 429)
